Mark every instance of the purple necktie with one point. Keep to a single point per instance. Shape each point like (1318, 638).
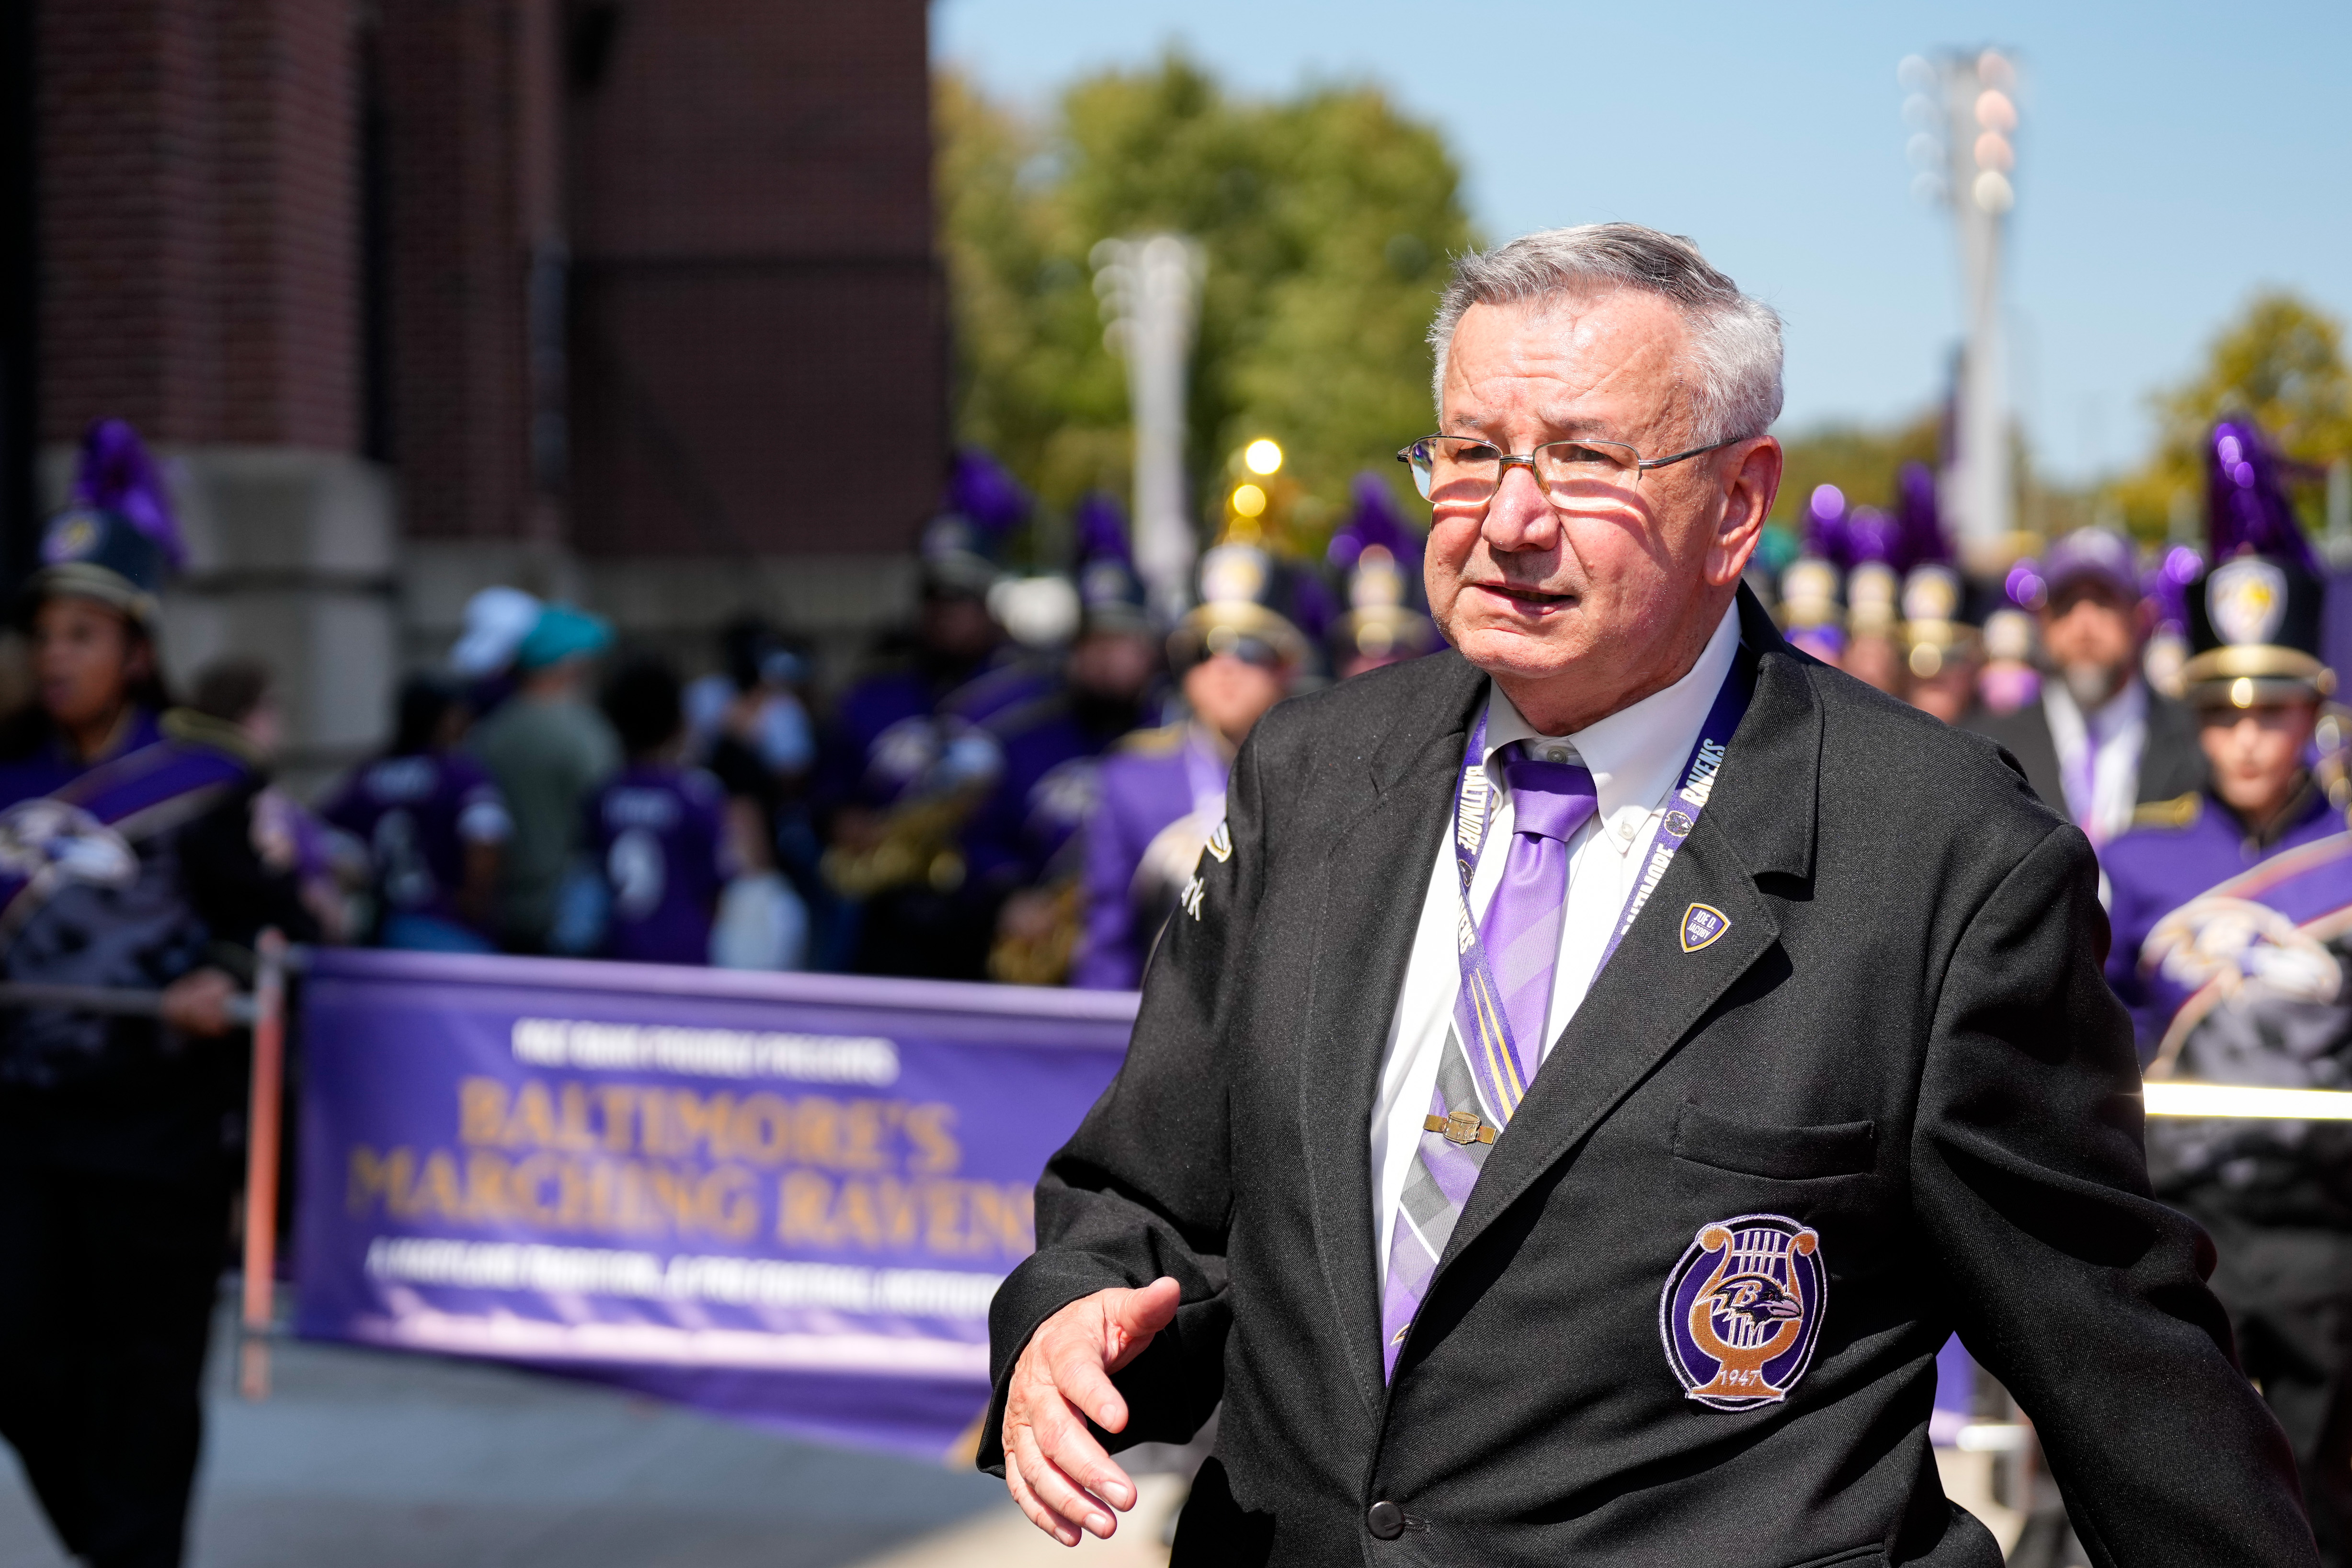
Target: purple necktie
(1549, 800)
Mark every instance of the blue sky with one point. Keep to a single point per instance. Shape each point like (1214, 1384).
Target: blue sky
(2171, 159)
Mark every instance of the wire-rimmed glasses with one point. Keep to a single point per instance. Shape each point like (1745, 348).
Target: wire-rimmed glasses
(1469, 470)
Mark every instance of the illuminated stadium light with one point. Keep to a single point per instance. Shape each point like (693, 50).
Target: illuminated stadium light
(1261, 456)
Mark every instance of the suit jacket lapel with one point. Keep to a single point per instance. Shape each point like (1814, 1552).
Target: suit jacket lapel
(1759, 819)
(1375, 880)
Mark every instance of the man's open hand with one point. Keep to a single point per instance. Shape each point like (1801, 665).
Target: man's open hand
(1056, 1470)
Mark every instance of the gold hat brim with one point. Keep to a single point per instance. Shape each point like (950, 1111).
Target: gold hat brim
(81, 579)
(2280, 674)
(1195, 634)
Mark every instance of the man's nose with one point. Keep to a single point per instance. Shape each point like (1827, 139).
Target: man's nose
(1518, 517)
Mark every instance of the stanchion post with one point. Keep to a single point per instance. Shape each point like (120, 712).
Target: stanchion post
(261, 1166)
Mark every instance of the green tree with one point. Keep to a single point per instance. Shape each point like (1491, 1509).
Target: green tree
(1325, 219)
(2280, 362)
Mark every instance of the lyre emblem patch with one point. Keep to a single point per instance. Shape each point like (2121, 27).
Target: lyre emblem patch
(1742, 1311)
(1702, 923)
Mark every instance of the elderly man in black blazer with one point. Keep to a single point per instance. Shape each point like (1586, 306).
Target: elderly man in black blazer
(1593, 1069)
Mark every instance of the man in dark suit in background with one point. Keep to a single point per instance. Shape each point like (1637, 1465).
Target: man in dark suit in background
(2100, 744)
(1591, 1071)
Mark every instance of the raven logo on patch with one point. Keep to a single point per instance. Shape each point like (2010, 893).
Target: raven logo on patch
(1742, 1311)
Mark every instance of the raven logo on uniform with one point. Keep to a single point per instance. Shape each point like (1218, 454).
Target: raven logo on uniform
(46, 837)
(1742, 1311)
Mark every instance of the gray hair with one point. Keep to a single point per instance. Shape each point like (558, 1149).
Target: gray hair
(1734, 375)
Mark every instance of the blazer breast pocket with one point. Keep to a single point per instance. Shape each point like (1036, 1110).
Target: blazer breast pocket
(1777, 1153)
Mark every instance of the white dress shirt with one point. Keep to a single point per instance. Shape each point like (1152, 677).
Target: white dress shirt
(1634, 756)
(2098, 755)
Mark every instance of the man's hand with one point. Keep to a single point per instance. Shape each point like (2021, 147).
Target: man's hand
(197, 1003)
(1054, 1470)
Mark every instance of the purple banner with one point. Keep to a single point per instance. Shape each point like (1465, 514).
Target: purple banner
(784, 1198)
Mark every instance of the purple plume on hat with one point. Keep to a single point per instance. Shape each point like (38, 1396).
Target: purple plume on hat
(117, 475)
(1919, 518)
(2025, 585)
(1373, 518)
(1825, 531)
(2246, 509)
(2166, 584)
(1873, 535)
(1100, 526)
(984, 493)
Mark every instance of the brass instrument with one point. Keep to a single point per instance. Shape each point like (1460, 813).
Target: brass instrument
(915, 847)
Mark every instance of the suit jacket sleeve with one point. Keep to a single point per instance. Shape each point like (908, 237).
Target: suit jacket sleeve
(1144, 1188)
(2077, 1289)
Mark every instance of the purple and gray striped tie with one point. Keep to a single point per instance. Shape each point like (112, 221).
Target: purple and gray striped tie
(1521, 931)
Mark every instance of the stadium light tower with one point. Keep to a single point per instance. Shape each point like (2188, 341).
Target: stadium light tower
(1150, 290)
(1962, 110)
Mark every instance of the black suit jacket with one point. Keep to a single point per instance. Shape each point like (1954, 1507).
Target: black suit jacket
(1903, 1040)
(2172, 765)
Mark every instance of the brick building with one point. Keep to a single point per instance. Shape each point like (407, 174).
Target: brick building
(426, 294)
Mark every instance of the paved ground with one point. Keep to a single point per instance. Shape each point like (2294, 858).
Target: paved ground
(365, 1460)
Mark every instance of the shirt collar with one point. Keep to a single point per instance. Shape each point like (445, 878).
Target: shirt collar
(2106, 721)
(1635, 753)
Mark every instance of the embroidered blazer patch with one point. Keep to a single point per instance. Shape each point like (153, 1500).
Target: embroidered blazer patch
(1742, 1311)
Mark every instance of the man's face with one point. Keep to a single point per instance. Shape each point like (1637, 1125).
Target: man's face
(2256, 753)
(1230, 694)
(1597, 596)
(84, 660)
(958, 626)
(1116, 665)
(2091, 630)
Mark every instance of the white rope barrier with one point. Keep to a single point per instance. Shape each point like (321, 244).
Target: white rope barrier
(2166, 1098)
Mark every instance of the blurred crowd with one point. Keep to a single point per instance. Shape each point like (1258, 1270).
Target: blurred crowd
(1015, 787)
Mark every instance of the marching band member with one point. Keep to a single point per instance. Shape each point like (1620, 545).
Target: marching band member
(1026, 839)
(1941, 643)
(1387, 619)
(916, 747)
(127, 860)
(1809, 613)
(1163, 789)
(2232, 907)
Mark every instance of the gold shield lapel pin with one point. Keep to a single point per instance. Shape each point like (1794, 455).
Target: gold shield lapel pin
(1702, 923)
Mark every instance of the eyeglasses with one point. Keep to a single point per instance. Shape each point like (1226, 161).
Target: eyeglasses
(1467, 469)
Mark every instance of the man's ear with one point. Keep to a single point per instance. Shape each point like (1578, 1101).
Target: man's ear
(1752, 481)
